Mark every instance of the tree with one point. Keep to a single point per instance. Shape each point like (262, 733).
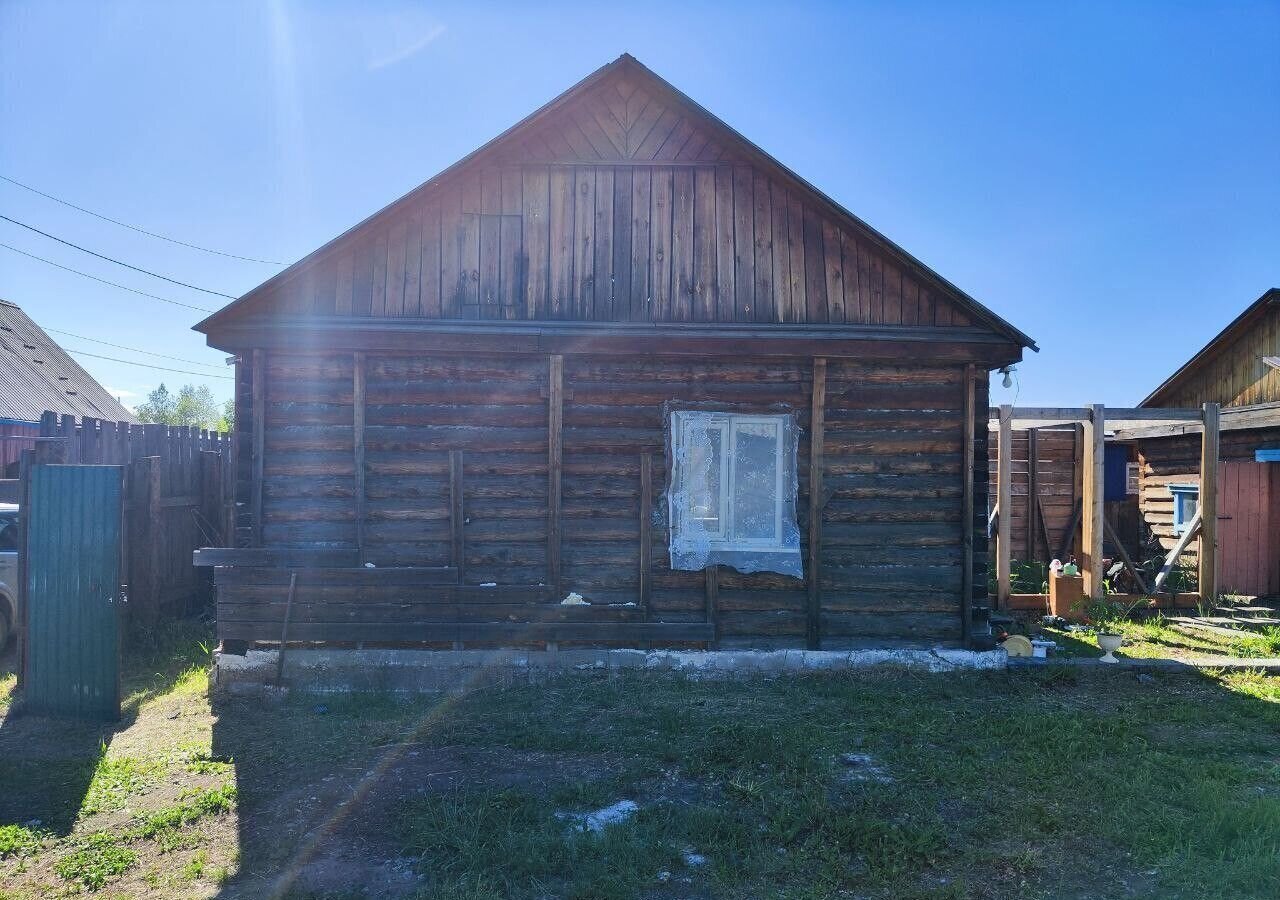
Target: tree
(193, 405)
(158, 408)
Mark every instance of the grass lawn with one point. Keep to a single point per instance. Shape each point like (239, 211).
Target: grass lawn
(1159, 638)
(1031, 783)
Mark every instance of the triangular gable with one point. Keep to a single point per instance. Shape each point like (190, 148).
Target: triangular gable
(621, 200)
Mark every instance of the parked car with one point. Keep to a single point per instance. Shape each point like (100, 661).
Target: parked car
(8, 571)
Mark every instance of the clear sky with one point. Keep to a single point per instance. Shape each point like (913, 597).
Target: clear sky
(1105, 176)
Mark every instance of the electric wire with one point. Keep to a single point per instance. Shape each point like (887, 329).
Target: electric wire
(116, 261)
(81, 337)
(129, 362)
(14, 181)
(104, 281)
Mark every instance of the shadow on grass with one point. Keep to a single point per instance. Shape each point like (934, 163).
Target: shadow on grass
(48, 764)
(980, 784)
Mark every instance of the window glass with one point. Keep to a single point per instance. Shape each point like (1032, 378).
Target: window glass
(756, 454)
(732, 492)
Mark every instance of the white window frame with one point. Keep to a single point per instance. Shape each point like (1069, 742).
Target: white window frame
(729, 425)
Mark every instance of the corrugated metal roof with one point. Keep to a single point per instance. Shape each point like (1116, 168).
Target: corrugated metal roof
(36, 374)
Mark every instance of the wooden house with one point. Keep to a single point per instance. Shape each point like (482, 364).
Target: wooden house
(1239, 369)
(616, 332)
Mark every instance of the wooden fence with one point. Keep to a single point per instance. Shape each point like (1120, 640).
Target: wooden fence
(179, 496)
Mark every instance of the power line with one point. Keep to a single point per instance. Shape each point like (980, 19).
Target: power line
(268, 262)
(129, 362)
(81, 337)
(116, 261)
(103, 280)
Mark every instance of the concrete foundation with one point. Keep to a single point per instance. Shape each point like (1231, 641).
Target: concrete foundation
(340, 671)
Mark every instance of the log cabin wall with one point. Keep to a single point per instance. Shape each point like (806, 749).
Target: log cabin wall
(891, 545)
(1176, 460)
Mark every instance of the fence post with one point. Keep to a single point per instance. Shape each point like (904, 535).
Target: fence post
(1209, 505)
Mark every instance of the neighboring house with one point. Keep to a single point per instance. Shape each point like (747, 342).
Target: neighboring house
(1240, 370)
(618, 352)
(37, 375)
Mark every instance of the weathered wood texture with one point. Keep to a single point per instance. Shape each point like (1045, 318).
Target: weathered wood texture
(890, 559)
(1055, 468)
(179, 483)
(610, 243)
(1176, 460)
(1234, 374)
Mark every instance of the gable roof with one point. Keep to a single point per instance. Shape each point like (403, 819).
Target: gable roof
(721, 136)
(37, 375)
(1224, 339)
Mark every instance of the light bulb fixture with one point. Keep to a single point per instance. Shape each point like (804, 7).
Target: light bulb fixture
(1007, 381)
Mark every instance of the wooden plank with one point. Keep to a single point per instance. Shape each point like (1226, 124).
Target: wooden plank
(1191, 533)
(815, 268)
(584, 244)
(646, 536)
(1004, 504)
(561, 238)
(555, 447)
(711, 588)
(623, 221)
(259, 404)
(744, 256)
(1209, 503)
(1033, 493)
(537, 242)
(487, 632)
(276, 557)
(661, 245)
(603, 283)
(725, 262)
(967, 505)
(782, 311)
(817, 419)
(357, 433)
(641, 273)
(429, 303)
(833, 271)
(1094, 480)
(457, 516)
(396, 255)
(763, 224)
(796, 249)
(703, 246)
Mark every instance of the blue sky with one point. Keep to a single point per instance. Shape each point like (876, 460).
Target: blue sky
(1105, 176)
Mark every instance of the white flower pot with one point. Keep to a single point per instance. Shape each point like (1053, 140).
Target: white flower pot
(1110, 643)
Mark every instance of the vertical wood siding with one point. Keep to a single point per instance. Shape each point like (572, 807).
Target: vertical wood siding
(691, 243)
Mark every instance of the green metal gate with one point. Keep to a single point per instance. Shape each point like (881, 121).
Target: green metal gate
(72, 598)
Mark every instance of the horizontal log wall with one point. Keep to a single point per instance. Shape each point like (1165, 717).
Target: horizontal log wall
(457, 473)
(1176, 460)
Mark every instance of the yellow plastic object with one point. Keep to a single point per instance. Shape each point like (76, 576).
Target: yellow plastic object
(1017, 645)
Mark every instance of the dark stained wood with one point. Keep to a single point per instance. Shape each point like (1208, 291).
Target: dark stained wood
(536, 235)
(817, 414)
(967, 504)
(457, 515)
(646, 537)
(555, 450)
(258, 381)
(711, 588)
(358, 420)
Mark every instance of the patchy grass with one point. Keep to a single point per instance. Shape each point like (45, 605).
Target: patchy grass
(1159, 638)
(1031, 783)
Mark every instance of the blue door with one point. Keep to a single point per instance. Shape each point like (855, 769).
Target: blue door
(72, 599)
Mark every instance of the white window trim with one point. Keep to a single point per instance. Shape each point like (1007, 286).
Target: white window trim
(728, 426)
